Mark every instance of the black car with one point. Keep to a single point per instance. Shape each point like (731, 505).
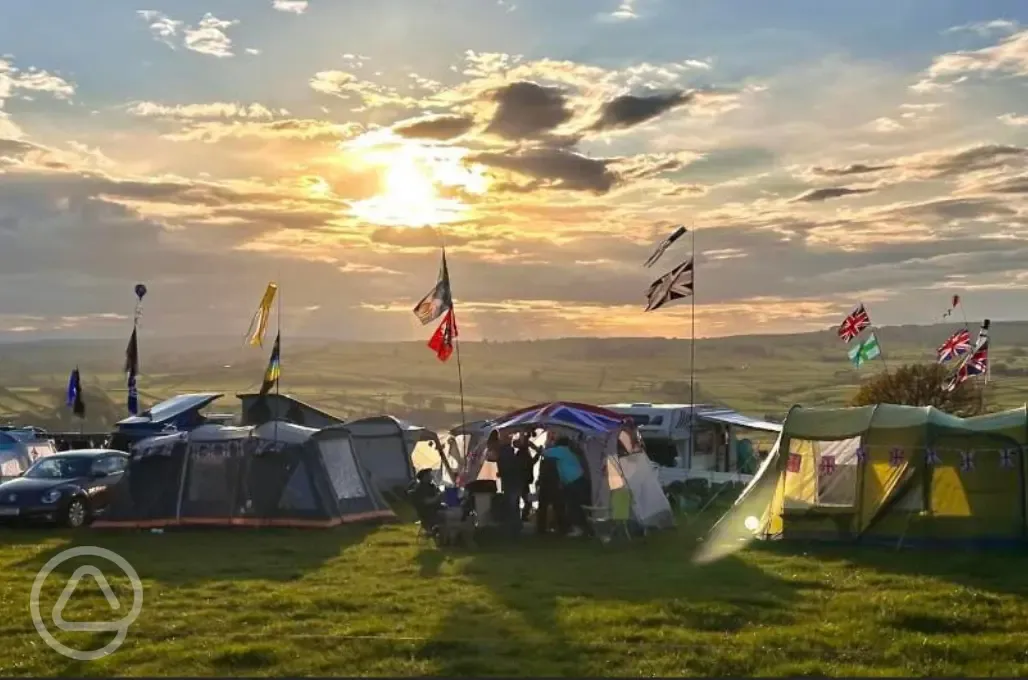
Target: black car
(69, 488)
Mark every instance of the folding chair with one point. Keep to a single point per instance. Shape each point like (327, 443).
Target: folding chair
(607, 520)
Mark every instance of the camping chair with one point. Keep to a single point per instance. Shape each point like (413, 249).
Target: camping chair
(609, 520)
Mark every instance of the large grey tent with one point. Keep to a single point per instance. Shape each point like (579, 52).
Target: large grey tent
(383, 445)
(276, 474)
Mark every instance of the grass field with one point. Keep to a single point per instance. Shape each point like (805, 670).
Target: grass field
(373, 601)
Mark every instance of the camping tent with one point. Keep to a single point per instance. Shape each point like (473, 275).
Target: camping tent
(889, 473)
(259, 409)
(20, 448)
(614, 454)
(276, 474)
(384, 447)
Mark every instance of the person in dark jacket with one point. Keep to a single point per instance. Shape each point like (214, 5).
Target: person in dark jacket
(427, 499)
(501, 451)
(550, 498)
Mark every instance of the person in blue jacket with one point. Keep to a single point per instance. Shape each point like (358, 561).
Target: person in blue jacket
(573, 482)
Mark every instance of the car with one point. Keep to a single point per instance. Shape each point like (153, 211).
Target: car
(70, 488)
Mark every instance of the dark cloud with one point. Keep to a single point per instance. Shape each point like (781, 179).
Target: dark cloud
(426, 237)
(440, 127)
(554, 168)
(985, 157)
(527, 110)
(1008, 185)
(819, 195)
(630, 110)
(853, 169)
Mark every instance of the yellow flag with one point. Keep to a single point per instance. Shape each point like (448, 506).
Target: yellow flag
(259, 323)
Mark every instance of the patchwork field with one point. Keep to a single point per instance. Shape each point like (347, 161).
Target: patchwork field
(757, 375)
(376, 601)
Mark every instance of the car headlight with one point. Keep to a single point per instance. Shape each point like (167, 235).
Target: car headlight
(51, 496)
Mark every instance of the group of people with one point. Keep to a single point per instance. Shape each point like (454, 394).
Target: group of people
(563, 490)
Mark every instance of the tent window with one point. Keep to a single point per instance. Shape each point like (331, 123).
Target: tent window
(298, 494)
(208, 475)
(837, 472)
(342, 468)
(822, 472)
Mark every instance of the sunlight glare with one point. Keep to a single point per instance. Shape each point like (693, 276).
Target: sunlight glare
(413, 175)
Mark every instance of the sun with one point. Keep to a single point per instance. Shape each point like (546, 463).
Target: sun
(413, 177)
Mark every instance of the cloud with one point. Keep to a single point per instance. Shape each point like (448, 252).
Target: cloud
(828, 193)
(626, 10)
(527, 110)
(630, 110)
(162, 27)
(552, 168)
(1009, 56)
(848, 170)
(208, 37)
(14, 81)
(298, 129)
(986, 28)
(213, 110)
(1013, 119)
(346, 85)
(441, 127)
(294, 6)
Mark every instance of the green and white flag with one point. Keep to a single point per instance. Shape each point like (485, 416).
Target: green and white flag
(865, 350)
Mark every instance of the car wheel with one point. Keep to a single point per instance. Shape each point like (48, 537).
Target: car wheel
(76, 514)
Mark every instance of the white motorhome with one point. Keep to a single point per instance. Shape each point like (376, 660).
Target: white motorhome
(715, 452)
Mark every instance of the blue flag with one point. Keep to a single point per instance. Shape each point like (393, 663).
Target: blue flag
(132, 369)
(74, 399)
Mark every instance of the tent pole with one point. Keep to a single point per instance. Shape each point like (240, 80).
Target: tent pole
(692, 356)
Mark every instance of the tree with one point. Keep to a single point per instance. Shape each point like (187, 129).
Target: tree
(920, 385)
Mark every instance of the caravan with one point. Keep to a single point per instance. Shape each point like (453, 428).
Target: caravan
(20, 448)
(721, 452)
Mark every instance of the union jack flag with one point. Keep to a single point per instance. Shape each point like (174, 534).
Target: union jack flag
(958, 345)
(827, 465)
(794, 463)
(967, 461)
(1006, 458)
(896, 457)
(976, 364)
(853, 324)
(932, 458)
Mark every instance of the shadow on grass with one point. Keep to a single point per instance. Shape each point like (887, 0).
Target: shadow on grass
(1000, 572)
(557, 594)
(183, 557)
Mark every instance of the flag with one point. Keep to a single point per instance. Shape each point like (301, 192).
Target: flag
(932, 457)
(983, 336)
(853, 324)
(132, 371)
(78, 407)
(437, 301)
(678, 233)
(958, 345)
(259, 322)
(794, 463)
(865, 350)
(896, 457)
(273, 370)
(675, 285)
(827, 465)
(975, 364)
(1006, 458)
(953, 305)
(967, 461)
(441, 341)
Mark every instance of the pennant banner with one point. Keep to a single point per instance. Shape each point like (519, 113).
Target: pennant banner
(259, 322)
(966, 460)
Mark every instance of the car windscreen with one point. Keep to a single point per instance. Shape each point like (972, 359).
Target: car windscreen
(60, 467)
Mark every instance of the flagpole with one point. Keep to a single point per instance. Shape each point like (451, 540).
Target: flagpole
(278, 345)
(692, 354)
(456, 339)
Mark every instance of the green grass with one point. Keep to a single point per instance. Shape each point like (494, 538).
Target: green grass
(373, 601)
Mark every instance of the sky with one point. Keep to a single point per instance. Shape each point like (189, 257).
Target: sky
(822, 154)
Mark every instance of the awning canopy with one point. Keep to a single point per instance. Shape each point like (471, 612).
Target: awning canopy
(727, 417)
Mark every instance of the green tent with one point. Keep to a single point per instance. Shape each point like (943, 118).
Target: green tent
(889, 473)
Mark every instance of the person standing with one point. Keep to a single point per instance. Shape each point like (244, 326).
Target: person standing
(508, 471)
(573, 483)
(526, 453)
